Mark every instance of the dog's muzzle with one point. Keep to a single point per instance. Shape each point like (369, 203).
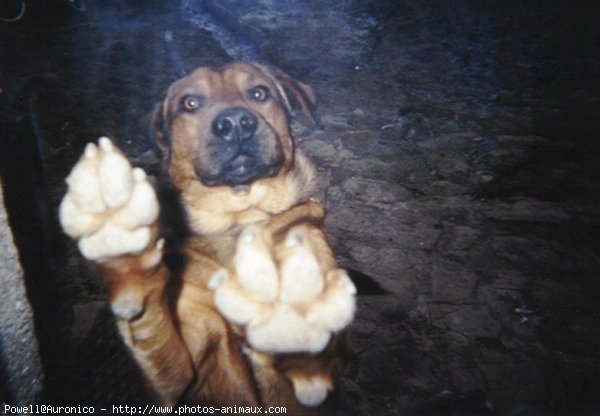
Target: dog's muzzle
(238, 155)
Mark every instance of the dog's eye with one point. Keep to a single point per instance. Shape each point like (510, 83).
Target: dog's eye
(259, 94)
(191, 103)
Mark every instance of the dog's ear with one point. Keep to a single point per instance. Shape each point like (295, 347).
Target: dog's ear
(159, 131)
(295, 94)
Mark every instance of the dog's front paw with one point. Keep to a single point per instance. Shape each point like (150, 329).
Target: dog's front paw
(282, 294)
(109, 206)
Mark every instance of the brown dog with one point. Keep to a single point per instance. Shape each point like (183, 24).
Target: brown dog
(256, 315)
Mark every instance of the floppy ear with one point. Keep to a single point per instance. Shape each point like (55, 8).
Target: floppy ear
(295, 94)
(159, 130)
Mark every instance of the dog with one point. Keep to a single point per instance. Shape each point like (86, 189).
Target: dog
(256, 314)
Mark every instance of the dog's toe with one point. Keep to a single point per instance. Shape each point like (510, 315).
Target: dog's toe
(115, 175)
(233, 303)
(301, 274)
(84, 183)
(76, 222)
(336, 308)
(254, 266)
(142, 208)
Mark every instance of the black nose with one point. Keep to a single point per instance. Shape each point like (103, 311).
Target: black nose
(235, 124)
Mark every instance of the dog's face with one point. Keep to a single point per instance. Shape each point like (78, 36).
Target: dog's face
(229, 126)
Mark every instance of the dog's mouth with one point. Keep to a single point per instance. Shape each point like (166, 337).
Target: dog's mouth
(243, 169)
(240, 165)
(237, 154)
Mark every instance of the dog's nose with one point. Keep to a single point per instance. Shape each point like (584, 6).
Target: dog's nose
(235, 124)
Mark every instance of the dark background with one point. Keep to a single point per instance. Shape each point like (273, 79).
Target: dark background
(459, 164)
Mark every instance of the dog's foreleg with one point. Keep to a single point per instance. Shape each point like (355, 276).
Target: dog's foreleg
(147, 327)
(112, 211)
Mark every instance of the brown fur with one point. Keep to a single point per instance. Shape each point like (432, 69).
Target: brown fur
(186, 349)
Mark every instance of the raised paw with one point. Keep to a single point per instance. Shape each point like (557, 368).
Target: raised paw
(287, 294)
(109, 206)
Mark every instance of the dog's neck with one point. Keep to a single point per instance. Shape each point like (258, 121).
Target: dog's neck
(219, 210)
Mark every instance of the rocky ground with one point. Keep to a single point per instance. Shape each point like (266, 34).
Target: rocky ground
(459, 166)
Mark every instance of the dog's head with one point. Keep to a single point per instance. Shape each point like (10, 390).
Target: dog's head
(229, 126)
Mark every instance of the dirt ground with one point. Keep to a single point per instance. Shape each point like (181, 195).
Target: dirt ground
(459, 164)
